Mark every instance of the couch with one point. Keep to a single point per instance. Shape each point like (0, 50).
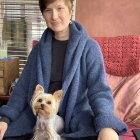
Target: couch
(122, 62)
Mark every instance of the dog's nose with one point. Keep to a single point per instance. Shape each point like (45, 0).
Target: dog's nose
(42, 106)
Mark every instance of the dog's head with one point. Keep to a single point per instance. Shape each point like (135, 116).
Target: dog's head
(44, 104)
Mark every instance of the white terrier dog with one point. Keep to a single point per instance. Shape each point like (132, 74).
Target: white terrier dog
(49, 125)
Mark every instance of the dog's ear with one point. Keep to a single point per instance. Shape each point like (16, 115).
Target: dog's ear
(39, 89)
(58, 95)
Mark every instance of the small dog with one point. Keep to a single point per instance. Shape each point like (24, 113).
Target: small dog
(49, 125)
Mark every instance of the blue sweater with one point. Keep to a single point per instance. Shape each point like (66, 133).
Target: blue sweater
(87, 102)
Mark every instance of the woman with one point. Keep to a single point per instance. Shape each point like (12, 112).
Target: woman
(65, 57)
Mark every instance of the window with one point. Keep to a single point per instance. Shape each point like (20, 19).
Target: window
(21, 22)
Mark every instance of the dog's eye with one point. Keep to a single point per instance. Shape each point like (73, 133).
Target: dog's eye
(39, 100)
(49, 102)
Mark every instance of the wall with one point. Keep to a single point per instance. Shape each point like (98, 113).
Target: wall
(109, 17)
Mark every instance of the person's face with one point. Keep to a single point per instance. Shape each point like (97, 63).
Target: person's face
(57, 16)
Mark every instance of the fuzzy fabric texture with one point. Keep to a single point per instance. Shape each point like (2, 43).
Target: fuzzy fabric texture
(87, 103)
(121, 54)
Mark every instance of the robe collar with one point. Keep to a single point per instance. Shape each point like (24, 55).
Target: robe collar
(75, 47)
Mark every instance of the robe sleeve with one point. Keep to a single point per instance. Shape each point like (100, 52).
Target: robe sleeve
(99, 93)
(19, 97)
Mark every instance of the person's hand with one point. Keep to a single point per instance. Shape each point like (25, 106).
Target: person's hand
(108, 134)
(3, 128)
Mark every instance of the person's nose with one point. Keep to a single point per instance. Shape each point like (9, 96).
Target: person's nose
(54, 14)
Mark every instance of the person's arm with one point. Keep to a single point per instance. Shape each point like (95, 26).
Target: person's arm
(18, 99)
(99, 93)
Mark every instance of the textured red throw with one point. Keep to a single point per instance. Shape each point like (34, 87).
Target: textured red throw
(121, 54)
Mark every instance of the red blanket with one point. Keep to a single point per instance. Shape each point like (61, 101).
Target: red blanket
(121, 54)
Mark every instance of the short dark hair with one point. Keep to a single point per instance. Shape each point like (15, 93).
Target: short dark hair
(44, 3)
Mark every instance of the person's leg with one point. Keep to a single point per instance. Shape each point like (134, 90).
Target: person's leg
(24, 137)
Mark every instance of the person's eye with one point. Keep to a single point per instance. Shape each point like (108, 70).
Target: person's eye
(60, 8)
(48, 10)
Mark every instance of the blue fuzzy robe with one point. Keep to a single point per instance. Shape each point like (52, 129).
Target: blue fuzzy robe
(87, 103)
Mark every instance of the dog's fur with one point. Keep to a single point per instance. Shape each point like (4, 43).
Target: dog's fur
(45, 106)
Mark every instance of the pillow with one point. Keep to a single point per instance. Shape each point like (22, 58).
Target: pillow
(126, 93)
(121, 54)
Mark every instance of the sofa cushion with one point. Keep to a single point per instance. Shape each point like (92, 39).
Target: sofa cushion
(126, 93)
